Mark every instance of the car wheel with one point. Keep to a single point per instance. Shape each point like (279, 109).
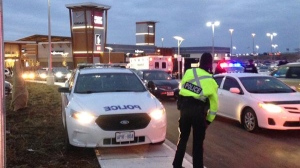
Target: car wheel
(249, 120)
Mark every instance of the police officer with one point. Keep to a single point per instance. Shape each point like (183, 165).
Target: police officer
(250, 68)
(197, 94)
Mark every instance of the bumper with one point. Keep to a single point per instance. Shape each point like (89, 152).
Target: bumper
(93, 136)
(166, 93)
(283, 121)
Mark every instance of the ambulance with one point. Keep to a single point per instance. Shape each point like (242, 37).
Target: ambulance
(152, 62)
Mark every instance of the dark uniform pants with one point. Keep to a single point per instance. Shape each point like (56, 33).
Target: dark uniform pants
(192, 115)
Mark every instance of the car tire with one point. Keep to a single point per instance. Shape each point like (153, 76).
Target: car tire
(249, 120)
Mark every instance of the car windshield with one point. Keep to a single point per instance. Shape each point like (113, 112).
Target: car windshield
(265, 84)
(61, 69)
(156, 75)
(108, 82)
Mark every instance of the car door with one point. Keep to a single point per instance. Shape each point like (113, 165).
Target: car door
(228, 102)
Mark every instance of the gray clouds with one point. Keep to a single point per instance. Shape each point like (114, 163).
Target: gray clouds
(174, 17)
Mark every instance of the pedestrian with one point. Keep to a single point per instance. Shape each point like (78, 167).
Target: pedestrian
(250, 68)
(197, 94)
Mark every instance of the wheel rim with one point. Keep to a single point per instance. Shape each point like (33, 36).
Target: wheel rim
(250, 121)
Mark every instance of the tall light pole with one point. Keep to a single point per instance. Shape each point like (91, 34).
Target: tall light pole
(109, 50)
(50, 77)
(234, 48)
(274, 46)
(212, 25)
(231, 31)
(253, 35)
(271, 35)
(179, 41)
(257, 47)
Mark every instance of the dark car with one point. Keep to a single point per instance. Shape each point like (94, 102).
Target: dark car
(160, 83)
(289, 74)
(8, 88)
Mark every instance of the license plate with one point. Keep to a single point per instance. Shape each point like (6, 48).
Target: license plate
(170, 93)
(124, 136)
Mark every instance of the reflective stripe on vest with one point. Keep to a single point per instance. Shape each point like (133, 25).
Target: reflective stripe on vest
(198, 84)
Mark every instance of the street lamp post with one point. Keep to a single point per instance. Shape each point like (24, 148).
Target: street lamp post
(109, 50)
(271, 35)
(179, 41)
(257, 47)
(231, 31)
(234, 48)
(212, 25)
(162, 42)
(253, 35)
(274, 46)
(50, 77)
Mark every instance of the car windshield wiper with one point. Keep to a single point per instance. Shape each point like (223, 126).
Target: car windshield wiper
(87, 92)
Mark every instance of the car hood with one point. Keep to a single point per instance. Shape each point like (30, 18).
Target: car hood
(173, 83)
(114, 103)
(277, 97)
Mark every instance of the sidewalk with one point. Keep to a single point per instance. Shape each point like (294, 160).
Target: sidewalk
(145, 156)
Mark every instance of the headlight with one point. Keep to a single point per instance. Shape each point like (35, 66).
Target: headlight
(83, 117)
(43, 75)
(68, 75)
(157, 114)
(271, 108)
(28, 75)
(58, 74)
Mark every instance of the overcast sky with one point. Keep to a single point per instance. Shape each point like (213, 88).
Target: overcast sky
(185, 18)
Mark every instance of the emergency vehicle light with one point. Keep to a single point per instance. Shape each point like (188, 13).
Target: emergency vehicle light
(224, 65)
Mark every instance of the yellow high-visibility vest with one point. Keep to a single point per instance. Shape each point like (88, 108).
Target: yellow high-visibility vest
(199, 84)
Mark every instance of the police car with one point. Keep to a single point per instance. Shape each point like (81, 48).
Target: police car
(228, 66)
(109, 107)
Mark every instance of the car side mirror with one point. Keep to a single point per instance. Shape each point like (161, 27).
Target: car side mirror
(235, 90)
(63, 90)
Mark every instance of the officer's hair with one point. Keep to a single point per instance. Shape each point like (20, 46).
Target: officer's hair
(206, 62)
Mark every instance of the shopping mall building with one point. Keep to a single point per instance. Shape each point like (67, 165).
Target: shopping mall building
(87, 44)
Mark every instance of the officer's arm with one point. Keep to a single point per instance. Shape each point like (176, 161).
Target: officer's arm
(210, 90)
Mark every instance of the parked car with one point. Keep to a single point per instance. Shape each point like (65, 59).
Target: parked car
(8, 88)
(263, 70)
(160, 83)
(28, 75)
(110, 107)
(260, 101)
(61, 74)
(289, 74)
(41, 74)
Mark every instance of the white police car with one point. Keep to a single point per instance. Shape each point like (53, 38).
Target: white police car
(107, 107)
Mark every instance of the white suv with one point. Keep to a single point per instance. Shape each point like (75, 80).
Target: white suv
(107, 107)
